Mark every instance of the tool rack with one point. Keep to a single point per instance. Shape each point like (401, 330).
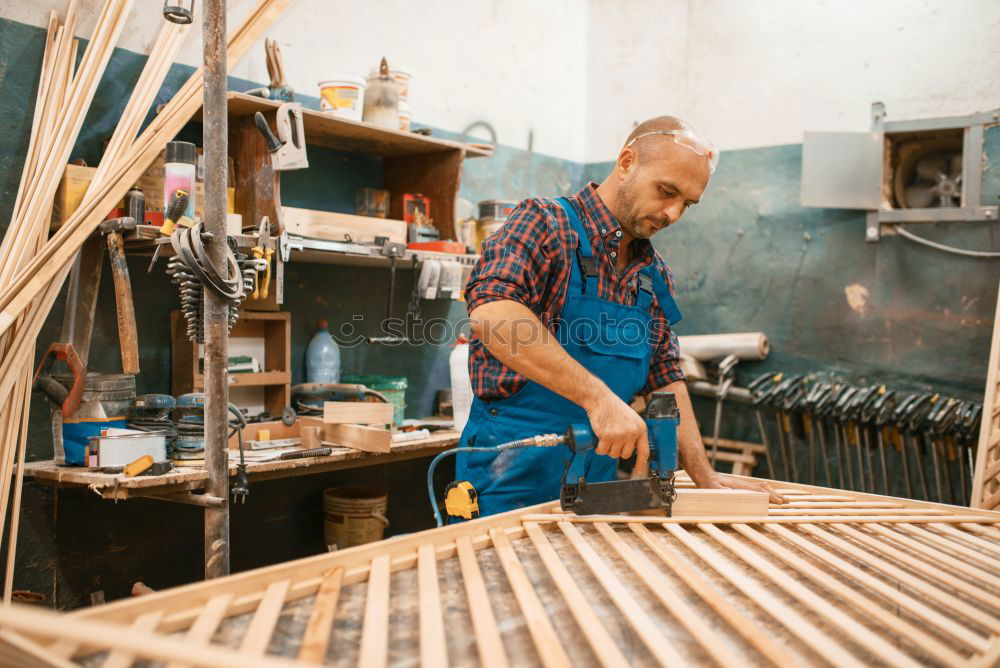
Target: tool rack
(829, 578)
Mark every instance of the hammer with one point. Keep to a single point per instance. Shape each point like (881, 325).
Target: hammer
(128, 337)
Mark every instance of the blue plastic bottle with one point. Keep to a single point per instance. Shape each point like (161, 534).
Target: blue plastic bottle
(322, 357)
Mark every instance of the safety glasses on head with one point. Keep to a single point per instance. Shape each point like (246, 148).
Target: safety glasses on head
(690, 140)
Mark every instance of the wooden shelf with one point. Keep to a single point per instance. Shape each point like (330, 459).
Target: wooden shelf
(273, 327)
(323, 129)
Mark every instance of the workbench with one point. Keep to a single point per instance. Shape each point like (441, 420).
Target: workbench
(177, 485)
(829, 578)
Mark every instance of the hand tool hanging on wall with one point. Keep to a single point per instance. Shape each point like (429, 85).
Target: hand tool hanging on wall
(911, 416)
(864, 414)
(263, 251)
(128, 337)
(882, 412)
(814, 402)
(727, 375)
(288, 147)
(392, 250)
(172, 217)
(278, 88)
(966, 439)
(759, 390)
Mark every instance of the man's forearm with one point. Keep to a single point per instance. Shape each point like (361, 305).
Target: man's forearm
(690, 448)
(515, 336)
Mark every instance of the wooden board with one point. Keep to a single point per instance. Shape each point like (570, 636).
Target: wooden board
(905, 584)
(359, 437)
(357, 412)
(986, 482)
(341, 226)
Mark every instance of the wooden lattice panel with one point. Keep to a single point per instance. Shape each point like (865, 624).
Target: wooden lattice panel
(986, 484)
(831, 577)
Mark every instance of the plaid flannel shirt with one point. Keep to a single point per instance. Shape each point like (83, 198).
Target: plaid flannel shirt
(529, 261)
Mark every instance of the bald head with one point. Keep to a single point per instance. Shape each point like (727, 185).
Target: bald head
(657, 124)
(657, 176)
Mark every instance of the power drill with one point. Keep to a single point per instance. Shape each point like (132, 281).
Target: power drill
(655, 492)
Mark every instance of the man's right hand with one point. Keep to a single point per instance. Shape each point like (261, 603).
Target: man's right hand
(619, 429)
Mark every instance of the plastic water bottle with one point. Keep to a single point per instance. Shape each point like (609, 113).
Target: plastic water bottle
(323, 357)
(461, 386)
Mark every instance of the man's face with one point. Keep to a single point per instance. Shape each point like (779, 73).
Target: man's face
(658, 186)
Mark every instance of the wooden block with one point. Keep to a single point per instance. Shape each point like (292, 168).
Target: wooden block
(72, 187)
(715, 502)
(338, 226)
(263, 435)
(357, 412)
(359, 437)
(311, 437)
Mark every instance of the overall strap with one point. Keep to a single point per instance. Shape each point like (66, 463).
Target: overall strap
(584, 253)
(667, 304)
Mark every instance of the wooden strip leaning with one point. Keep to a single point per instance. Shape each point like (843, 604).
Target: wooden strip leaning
(924, 566)
(375, 632)
(316, 637)
(943, 622)
(694, 580)
(642, 625)
(679, 609)
(484, 624)
(258, 634)
(601, 642)
(862, 634)
(813, 637)
(547, 643)
(916, 635)
(433, 647)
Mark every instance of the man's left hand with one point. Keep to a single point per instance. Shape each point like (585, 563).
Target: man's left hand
(720, 481)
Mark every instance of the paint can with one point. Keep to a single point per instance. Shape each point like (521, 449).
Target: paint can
(107, 400)
(402, 75)
(405, 115)
(343, 97)
(353, 516)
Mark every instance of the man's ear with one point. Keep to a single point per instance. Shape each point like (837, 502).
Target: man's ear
(627, 160)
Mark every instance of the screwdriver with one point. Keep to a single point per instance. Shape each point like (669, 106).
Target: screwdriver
(173, 216)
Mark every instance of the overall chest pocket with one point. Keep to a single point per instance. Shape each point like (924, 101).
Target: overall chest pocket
(627, 338)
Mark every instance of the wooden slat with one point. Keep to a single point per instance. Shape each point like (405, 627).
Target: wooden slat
(923, 566)
(375, 632)
(433, 649)
(642, 625)
(985, 490)
(686, 615)
(815, 639)
(258, 634)
(550, 649)
(206, 624)
(316, 638)
(973, 540)
(357, 412)
(966, 553)
(943, 622)
(932, 553)
(484, 624)
(123, 658)
(740, 519)
(926, 642)
(591, 627)
(762, 642)
(861, 634)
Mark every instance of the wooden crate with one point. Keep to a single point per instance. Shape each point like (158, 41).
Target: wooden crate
(986, 483)
(832, 577)
(275, 377)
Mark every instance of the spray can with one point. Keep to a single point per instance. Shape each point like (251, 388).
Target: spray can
(135, 205)
(179, 172)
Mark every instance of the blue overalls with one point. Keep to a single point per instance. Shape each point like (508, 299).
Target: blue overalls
(611, 341)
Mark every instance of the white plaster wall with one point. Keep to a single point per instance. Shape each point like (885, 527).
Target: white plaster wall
(759, 73)
(518, 64)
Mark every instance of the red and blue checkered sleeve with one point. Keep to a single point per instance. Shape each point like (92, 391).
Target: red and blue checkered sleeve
(665, 364)
(516, 259)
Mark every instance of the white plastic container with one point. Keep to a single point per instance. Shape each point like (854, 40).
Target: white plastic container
(461, 386)
(404, 116)
(344, 97)
(322, 356)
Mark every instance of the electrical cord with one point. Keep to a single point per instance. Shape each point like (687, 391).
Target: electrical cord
(942, 247)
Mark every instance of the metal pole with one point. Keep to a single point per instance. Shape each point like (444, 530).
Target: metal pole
(215, 131)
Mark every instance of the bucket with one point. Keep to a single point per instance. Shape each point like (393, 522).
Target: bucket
(402, 75)
(353, 516)
(393, 387)
(343, 97)
(106, 402)
(405, 115)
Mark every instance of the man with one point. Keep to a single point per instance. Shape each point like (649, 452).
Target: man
(555, 303)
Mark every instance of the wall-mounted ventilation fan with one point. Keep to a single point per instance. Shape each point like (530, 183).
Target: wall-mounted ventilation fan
(929, 175)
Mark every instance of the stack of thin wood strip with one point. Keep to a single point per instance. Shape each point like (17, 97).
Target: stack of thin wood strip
(831, 577)
(33, 269)
(986, 482)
